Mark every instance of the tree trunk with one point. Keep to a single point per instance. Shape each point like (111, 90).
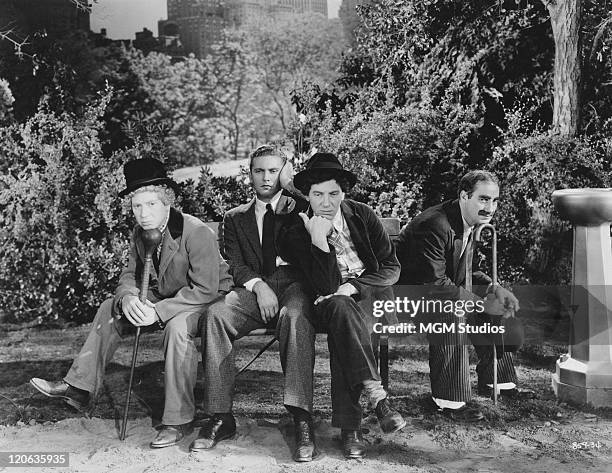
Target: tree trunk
(565, 16)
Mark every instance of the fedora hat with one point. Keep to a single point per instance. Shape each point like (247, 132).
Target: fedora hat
(145, 172)
(323, 165)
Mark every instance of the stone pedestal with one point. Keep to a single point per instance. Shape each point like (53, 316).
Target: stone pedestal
(585, 374)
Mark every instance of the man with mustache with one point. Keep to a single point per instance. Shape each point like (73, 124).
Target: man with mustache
(435, 249)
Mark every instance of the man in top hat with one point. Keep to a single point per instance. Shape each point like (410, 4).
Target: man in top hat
(435, 249)
(348, 260)
(188, 274)
(268, 292)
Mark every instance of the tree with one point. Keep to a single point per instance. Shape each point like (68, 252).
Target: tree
(227, 69)
(566, 20)
(180, 101)
(288, 52)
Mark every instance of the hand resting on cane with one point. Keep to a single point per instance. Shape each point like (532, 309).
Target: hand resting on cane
(139, 314)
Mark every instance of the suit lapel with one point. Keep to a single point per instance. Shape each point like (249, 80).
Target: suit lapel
(360, 236)
(456, 222)
(172, 236)
(249, 227)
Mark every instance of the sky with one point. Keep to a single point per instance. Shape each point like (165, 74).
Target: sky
(123, 18)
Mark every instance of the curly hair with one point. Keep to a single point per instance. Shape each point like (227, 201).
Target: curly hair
(166, 194)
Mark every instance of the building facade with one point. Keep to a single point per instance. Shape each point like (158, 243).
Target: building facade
(200, 23)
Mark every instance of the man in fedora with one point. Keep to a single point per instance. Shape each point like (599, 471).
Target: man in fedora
(268, 292)
(188, 273)
(435, 249)
(348, 260)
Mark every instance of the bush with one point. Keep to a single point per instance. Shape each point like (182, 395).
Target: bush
(413, 155)
(62, 230)
(212, 196)
(535, 244)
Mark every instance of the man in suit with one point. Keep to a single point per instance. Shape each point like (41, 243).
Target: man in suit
(188, 274)
(267, 292)
(348, 260)
(435, 249)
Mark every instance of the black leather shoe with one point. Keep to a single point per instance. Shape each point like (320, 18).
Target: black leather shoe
(389, 419)
(463, 414)
(77, 398)
(169, 435)
(514, 393)
(215, 429)
(305, 443)
(353, 445)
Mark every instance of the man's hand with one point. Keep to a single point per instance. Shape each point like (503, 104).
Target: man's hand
(506, 298)
(139, 314)
(492, 306)
(345, 289)
(318, 228)
(267, 301)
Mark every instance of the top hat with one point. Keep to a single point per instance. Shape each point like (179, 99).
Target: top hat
(323, 164)
(145, 172)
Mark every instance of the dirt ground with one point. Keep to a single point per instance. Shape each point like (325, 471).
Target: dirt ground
(540, 435)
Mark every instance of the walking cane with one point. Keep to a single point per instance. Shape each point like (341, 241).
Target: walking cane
(268, 345)
(477, 237)
(150, 240)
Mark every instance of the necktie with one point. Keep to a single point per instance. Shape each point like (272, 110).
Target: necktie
(267, 242)
(469, 254)
(334, 240)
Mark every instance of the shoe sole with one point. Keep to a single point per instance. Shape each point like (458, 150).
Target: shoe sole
(314, 456)
(68, 400)
(397, 429)
(187, 432)
(355, 457)
(220, 439)
(166, 444)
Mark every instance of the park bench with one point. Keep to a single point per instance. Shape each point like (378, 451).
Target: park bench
(381, 348)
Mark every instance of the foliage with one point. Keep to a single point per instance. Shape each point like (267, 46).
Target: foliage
(535, 243)
(212, 196)
(6, 101)
(287, 53)
(180, 104)
(417, 146)
(62, 234)
(69, 71)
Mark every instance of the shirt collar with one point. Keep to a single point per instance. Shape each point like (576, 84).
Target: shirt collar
(338, 221)
(466, 228)
(162, 229)
(261, 205)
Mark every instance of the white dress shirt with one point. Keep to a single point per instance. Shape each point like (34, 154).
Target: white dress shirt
(260, 211)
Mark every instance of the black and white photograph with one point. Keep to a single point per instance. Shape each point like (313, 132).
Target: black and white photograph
(304, 236)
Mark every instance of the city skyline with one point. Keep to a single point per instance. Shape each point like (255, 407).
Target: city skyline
(123, 18)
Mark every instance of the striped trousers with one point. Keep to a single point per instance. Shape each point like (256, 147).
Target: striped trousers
(449, 367)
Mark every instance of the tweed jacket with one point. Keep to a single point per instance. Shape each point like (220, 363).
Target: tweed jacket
(373, 246)
(241, 246)
(429, 251)
(191, 270)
